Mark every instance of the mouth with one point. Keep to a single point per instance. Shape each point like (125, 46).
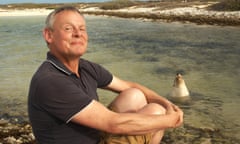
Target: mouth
(77, 43)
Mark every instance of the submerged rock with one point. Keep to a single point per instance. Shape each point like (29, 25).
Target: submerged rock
(193, 135)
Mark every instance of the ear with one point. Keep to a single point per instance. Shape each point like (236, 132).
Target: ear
(47, 35)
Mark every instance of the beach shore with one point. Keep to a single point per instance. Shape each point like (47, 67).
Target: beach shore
(22, 134)
(24, 12)
(199, 13)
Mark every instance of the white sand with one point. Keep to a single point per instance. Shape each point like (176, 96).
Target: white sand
(25, 12)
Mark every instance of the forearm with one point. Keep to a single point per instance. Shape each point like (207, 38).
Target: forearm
(135, 124)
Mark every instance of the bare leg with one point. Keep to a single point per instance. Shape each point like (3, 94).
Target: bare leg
(133, 100)
(153, 108)
(130, 100)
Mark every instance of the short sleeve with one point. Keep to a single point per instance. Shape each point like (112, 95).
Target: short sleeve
(98, 72)
(61, 98)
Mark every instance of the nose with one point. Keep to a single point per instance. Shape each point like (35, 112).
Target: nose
(77, 33)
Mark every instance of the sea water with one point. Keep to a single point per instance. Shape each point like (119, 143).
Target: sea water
(150, 53)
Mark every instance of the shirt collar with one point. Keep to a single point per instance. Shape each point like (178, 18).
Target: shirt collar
(57, 64)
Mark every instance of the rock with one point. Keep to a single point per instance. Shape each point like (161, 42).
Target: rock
(3, 122)
(12, 140)
(16, 134)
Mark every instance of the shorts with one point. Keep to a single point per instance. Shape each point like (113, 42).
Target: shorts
(125, 139)
(107, 138)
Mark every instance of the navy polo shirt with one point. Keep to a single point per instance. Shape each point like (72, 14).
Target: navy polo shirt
(56, 95)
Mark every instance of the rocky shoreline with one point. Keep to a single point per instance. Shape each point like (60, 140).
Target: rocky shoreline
(16, 133)
(193, 12)
(199, 14)
(22, 134)
(198, 19)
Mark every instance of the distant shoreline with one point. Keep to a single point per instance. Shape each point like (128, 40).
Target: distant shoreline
(193, 13)
(24, 12)
(185, 15)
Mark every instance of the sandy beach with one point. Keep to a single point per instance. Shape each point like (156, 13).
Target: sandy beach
(192, 13)
(25, 12)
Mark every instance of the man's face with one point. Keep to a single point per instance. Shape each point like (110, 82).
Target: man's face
(69, 38)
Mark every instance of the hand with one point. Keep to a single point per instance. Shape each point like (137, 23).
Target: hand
(180, 114)
(176, 115)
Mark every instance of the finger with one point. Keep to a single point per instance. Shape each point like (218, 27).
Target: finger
(176, 108)
(180, 121)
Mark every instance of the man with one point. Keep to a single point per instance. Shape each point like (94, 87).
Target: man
(63, 103)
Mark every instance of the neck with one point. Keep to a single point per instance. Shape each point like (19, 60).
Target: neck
(71, 63)
(72, 66)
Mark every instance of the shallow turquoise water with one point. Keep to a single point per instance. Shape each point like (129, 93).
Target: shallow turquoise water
(146, 52)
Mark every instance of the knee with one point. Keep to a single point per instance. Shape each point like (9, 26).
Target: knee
(133, 91)
(130, 100)
(153, 108)
(134, 95)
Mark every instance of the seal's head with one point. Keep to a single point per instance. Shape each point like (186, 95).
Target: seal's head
(178, 81)
(179, 87)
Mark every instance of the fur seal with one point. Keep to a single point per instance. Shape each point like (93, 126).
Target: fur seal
(179, 87)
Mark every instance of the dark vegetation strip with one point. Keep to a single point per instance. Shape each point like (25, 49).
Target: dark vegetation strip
(221, 5)
(200, 19)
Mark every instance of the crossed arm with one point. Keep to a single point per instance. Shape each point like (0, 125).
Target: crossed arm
(97, 116)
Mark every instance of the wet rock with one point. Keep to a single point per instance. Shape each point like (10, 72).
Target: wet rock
(206, 141)
(11, 140)
(3, 122)
(16, 134)
(187, 134)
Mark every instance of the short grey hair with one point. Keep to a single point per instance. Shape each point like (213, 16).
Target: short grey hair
(51, 17)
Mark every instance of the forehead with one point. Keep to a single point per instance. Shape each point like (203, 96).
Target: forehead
(68, 16)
